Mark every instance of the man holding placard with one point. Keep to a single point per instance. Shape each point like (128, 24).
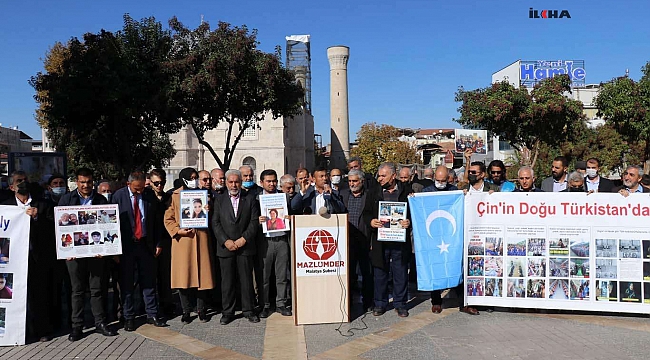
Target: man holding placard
(392, 254)
(273, 246)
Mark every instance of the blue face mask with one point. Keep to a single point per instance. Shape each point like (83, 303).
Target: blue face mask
(58, 191)
(248, 184)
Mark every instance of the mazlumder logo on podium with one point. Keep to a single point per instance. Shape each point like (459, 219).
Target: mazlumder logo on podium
(319, 252)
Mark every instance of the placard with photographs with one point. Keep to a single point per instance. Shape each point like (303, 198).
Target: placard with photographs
(476, 140)
(274, 207)
(558, 251)
(194, 209)
(87, 231)
(390, 215)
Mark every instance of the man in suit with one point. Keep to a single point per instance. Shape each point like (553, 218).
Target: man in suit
(86, 272)
(140, 226)
(558, 179)
(273, 250)
(593, 180)
(42, 279)
(631, 181)
(235, 224)
(312, 198)
(390, 256)
(360, 203)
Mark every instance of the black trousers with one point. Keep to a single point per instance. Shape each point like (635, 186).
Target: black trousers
(360, 254)
(87, 272)
(43, 294)
(164, 270)
(186, 296)
(240, 266)
(436, 298)
(137, 257)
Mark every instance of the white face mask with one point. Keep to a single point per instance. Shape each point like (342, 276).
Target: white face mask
(336, 179)
(591, 173)
(107, 196)
(191, 184)
(440, 185)
(218, 186)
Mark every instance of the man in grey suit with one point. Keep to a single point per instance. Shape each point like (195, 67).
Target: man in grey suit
(558, 179)
(235, 224)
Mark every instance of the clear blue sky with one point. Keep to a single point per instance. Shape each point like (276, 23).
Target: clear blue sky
(407, 58)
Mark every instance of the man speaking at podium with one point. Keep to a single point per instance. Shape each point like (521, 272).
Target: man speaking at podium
(319, 199)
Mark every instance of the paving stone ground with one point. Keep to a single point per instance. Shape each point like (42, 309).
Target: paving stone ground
(451, 335)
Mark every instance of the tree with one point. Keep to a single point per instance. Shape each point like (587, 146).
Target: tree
(525, 120)
(625, 104)
(220, 77)
(380, 143)
(102, 99)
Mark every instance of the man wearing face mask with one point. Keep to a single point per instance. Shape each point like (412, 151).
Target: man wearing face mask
(576, 183)
(86, 272)
(56, 187)
(42, 277)
(336, 179)
(218, 181)
(104, 189)
(248, 180)
(593, 180)
(312, 198)
(558, 179)
(476, 176)
(440, 184)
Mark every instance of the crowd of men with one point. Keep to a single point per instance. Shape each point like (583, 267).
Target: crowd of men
(234, 265)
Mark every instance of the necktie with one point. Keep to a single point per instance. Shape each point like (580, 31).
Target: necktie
(137, 218)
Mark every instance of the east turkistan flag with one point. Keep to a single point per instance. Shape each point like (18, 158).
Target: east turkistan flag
(438, 238)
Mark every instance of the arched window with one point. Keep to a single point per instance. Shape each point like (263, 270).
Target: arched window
(250, 161)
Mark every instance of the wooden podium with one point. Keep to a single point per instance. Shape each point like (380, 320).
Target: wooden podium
(320, 269)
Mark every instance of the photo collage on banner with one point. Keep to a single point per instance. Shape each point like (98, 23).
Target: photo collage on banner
(515, 258)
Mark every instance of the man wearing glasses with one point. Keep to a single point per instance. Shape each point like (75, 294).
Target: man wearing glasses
(476, 178)
(158, 179)
(497, 176)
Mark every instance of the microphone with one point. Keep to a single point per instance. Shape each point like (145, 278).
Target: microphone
(323, 211)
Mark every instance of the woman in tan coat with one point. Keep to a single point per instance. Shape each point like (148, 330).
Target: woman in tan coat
(192, 254)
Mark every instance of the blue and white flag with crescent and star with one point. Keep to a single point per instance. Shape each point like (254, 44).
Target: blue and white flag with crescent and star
(438, 235)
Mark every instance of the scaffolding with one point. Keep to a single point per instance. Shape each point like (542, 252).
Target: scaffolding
(299, 60)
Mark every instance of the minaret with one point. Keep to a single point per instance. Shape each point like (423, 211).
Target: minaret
(339, 116)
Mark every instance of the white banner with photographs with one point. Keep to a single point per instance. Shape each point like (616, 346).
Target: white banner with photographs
(87, 231)
(274, 207)
(14, 253)
(194, 209)
(390, 214)
(568, 251)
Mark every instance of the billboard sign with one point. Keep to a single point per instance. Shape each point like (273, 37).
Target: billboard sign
(533, 71)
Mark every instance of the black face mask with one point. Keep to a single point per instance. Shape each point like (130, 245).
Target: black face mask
(576, 189)
(386, 186)
(472, 178)
(22, 188)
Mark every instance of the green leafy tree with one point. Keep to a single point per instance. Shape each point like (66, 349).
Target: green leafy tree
(219, 76)
(625, 104)
(526, 120)
(380, 143)
(102, 99)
